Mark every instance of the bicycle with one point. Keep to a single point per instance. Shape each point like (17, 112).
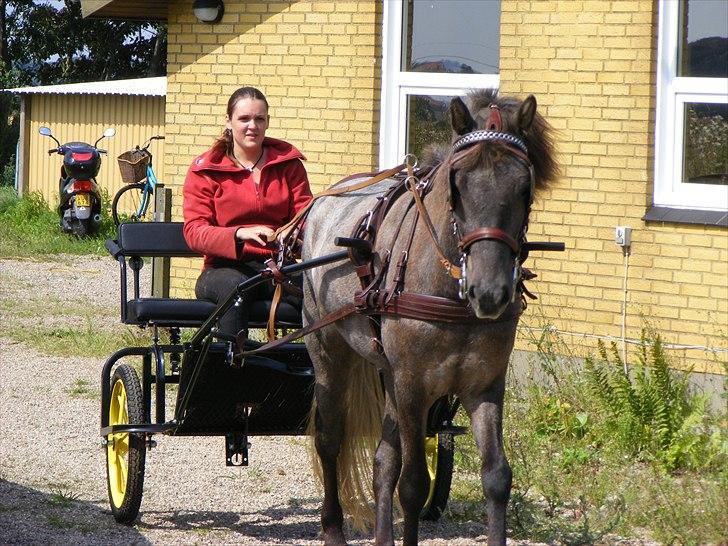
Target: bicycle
(132, 202)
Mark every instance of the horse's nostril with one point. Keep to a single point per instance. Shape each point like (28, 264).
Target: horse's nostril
(502, 296)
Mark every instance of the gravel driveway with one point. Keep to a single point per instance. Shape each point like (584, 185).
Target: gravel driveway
(52, 467)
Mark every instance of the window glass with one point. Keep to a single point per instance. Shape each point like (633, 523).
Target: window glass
(703, 49)
(455, 36)
(427, 121)
(706, 144)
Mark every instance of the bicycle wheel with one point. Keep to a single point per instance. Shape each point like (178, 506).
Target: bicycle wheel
(132, 203)
(125, 452)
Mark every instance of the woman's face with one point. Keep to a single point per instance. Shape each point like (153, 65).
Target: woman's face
(248, 123)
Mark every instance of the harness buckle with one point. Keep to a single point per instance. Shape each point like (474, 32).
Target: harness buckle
(368, 221)
(410, 160)
(463, 280)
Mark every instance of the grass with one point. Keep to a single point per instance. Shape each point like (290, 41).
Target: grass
(81, 388)
(69, 341)
(63, 497)
(578, 481)
(29, 228)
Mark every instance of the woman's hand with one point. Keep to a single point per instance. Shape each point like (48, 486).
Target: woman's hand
(258, 234)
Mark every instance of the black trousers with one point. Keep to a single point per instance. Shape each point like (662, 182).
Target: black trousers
(216, 283)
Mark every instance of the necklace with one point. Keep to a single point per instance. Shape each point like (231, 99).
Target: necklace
(254, 165)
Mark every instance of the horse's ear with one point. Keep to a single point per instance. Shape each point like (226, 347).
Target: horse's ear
(526, 113)
(460, 118)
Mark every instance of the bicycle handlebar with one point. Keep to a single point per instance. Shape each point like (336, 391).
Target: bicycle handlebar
(149, 142)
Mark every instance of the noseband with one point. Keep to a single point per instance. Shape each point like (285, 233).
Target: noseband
(516, 147)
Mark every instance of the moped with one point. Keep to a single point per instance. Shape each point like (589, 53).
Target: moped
(80, 199)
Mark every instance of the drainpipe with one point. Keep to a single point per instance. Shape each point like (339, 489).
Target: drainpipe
(21, 153)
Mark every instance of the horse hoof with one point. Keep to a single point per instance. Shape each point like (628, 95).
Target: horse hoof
(334, 538)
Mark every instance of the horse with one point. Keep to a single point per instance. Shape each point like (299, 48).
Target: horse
(472, 210)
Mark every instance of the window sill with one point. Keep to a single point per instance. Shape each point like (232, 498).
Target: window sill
(670, 215)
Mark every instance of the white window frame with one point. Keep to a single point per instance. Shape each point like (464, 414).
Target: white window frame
(397, 86)
(672, 94)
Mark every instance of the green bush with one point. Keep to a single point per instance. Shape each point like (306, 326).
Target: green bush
(28, 227)
(577, 479)
(652, 413)
(7, 173)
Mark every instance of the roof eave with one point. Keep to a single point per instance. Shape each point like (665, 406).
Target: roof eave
(127, 10)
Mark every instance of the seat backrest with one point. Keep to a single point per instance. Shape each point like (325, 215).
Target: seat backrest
(151, 239)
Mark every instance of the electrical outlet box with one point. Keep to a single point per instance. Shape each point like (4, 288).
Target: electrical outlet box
(623, 236)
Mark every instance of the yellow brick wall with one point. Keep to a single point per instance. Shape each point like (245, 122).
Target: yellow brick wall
(591, 64)
(318, 63)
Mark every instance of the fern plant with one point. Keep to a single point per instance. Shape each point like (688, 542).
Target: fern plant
(650, 411)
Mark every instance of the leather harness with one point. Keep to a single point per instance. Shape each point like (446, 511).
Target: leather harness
(374, 301)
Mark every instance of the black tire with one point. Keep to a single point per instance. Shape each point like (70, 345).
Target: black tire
(125, 452)
(126, 202)
(440, 452)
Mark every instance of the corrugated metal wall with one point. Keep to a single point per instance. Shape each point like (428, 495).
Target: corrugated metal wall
(84, 118)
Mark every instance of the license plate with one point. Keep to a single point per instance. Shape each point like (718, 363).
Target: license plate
(83, 200)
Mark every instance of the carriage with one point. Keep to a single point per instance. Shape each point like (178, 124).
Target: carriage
(414, 318)
(218, 394)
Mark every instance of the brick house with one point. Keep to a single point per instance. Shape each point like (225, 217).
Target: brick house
(627, 83)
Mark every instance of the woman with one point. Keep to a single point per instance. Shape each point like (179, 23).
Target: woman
(235, 196)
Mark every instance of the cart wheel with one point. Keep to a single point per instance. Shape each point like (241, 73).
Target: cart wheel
(125, 453)
(439, 452)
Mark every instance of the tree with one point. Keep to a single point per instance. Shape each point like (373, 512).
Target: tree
(44, 43)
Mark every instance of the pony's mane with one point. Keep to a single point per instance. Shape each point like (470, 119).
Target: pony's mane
(434, 154)
(539, 138)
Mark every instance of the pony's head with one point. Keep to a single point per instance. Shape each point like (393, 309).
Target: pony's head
(501, 153)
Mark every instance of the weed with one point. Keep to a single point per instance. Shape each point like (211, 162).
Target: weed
(651, 413)
(58, 522)
(81, 388)
(63, 497)
(577, 479)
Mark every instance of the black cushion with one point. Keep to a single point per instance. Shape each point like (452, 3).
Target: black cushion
(164, 311)
(186, 312)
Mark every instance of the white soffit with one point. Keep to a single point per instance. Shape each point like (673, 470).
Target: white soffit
(154, 87)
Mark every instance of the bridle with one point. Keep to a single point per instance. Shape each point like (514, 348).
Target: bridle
(515, 147)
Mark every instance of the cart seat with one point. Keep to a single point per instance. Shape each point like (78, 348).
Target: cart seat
(183, 312)
(138, 240)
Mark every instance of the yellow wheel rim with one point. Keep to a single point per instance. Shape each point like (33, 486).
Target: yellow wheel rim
(431, 459)
(117, 450)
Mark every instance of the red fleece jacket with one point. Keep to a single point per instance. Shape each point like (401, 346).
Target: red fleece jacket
(219, 197)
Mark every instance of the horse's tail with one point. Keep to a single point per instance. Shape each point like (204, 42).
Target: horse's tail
(364, 406)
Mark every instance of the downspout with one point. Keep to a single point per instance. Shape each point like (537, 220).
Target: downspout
(21, 154)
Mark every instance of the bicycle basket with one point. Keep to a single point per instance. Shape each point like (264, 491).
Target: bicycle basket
(133, 166)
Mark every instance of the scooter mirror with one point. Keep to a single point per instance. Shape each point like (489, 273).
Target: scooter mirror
(109, 132)
(45, 131)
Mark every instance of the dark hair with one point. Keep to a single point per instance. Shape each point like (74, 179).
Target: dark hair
(224, 143)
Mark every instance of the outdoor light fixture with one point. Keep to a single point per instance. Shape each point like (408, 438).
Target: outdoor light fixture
(208, 11)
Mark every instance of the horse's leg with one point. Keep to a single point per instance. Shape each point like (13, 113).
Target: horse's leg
(414, 480)
(486, 416)
(330, 391)
(387, 466)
